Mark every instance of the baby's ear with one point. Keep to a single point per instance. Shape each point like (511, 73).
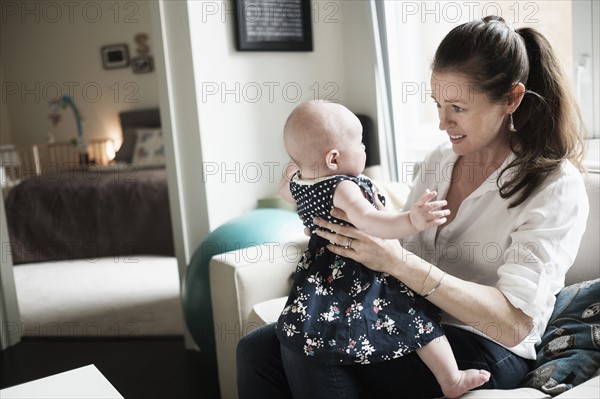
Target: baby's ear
(331, 159)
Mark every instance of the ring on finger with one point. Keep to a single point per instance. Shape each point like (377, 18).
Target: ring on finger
(349, 243)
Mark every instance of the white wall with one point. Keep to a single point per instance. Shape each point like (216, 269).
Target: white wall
(245, 97)
(50, 49)
(5, 131)
(10, 319)
(359, 57)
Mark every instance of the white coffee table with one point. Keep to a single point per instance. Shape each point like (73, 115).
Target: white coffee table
(82, 383)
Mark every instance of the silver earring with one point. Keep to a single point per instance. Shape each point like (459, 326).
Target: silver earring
(511, 124)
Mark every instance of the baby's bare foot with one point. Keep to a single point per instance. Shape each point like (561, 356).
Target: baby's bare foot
(464, 381)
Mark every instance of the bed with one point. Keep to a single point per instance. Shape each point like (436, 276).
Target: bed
(70, 211)
(92, 244)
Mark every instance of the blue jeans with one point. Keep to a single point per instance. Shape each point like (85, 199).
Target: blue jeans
(310, 379)
(261, 372)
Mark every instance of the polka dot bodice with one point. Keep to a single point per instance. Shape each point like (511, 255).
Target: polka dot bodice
(316, 198)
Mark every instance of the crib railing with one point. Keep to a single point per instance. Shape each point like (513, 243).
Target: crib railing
(18, 162)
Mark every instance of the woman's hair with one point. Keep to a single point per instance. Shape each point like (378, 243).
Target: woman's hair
(496, 57)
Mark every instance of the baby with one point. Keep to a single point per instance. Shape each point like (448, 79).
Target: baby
(340, 312)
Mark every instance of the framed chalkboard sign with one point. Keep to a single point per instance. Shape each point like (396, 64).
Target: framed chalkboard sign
(273, 25)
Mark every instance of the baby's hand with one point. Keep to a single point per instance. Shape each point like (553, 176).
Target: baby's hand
(424, 214)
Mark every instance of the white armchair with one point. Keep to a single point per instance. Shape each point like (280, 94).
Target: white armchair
(253, 286)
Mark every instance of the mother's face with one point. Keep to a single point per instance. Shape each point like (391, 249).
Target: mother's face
(474, 123)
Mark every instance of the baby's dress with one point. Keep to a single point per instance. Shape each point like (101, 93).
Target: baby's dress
(340, 312)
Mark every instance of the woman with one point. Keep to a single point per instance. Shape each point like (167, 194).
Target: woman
(509, 174)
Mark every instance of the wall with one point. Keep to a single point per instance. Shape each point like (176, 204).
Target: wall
(9, 306)
(5, 131)
(245, 97)
(50, 49)
(359, 56)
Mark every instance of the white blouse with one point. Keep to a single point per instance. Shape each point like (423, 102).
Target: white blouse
(524, 251)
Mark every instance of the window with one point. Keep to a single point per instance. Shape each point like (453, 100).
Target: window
(414, 29)
(586, 77)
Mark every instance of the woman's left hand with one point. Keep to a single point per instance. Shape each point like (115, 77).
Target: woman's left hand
(373, 252)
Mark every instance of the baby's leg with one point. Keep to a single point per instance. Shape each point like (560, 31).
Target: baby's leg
(438, 356)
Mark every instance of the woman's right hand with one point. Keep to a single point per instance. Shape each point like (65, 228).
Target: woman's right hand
(375, 253)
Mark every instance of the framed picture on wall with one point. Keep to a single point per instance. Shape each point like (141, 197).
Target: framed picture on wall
(142, 64)
(115, 56)
(273, 25)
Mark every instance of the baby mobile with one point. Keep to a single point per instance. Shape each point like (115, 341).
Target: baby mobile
(80, 142)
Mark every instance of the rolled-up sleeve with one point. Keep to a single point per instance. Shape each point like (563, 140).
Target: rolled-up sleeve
(544, 245)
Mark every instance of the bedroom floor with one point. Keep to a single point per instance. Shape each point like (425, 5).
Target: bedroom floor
(137, 368)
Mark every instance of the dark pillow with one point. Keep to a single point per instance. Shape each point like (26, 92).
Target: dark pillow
(125, 153)
(569, 353)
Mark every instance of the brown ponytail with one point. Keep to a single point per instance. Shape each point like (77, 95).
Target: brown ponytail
(548, 119)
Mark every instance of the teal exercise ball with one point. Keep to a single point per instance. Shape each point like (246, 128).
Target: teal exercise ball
(256, 227)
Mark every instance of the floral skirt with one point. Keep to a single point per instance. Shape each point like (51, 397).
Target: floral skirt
(341, 312)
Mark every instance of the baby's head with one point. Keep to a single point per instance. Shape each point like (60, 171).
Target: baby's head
(324, 139)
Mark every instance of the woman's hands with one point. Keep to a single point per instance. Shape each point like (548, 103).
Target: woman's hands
(375, 253)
